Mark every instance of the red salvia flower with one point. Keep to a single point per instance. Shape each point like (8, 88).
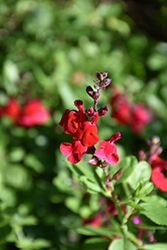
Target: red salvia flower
(107, 149)
(72, 119)
(11, 109)
(139, 117)
(128, 113)
(87, 132)
(74, 150)
(32, 113)
(94, 221)
(120, 108)
(157, 176)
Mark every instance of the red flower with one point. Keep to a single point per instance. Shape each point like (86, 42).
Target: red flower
(139, 117)
(120, 108)
(33, 112)
(74, 149)
(11, 109)
(71, 119)
(107, 149)
(157, 176)
(94, 221)
(87, 132)
(84, 132)
(128, 113)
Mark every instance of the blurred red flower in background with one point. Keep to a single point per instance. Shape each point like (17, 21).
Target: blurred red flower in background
(32, 112)
(128, 113)
(11, 109)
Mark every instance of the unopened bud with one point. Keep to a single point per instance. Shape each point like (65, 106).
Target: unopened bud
(117, 175)
(96, 95)
(90, 91)
(106, 82)
(159, 151)
(141, 155)
(99, 76)
(96, 86)
(103, 111)
(107, 179)
(94, 161)
(90, 111)
(104, 74)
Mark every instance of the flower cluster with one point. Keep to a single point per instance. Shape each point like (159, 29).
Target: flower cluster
(84, 130)
(158, 165)
(128, 113)
(30, 114)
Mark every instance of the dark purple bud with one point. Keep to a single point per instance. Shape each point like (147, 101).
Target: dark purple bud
(94, 161)
(96, 95)
(104, 74)
(141, 155)
(90, 111)
(96, 86)
(99, 76)
(90, 91)
(103, 111)
(117, 175)
(107, 179)
(106, 82)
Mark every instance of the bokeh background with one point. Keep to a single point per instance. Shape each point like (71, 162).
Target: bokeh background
(52, 50)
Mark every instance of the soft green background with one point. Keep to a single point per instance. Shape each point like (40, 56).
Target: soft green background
(52, 49)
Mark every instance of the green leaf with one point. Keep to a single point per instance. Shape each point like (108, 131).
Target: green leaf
(17, 154)
(90, 231)
(141, 174)
(95, 244)
(155, 209)
(128, 164)
(146, 188)
(155, 246)
(73, 203)
(88, 176)
(122, 244)
(4, 232)
(31, 244)
(89, 185)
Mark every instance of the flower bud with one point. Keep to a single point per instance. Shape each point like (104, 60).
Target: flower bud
(103, 110)
(94, 161)
(117, 175)
(96, 86)
(96, 95)
(104, 74)
(106, 82)
(90, 91)
(99, 76)
(90, 111)
(141, 155)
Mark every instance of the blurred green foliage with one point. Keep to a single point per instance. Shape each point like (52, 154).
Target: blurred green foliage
(52, 49)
